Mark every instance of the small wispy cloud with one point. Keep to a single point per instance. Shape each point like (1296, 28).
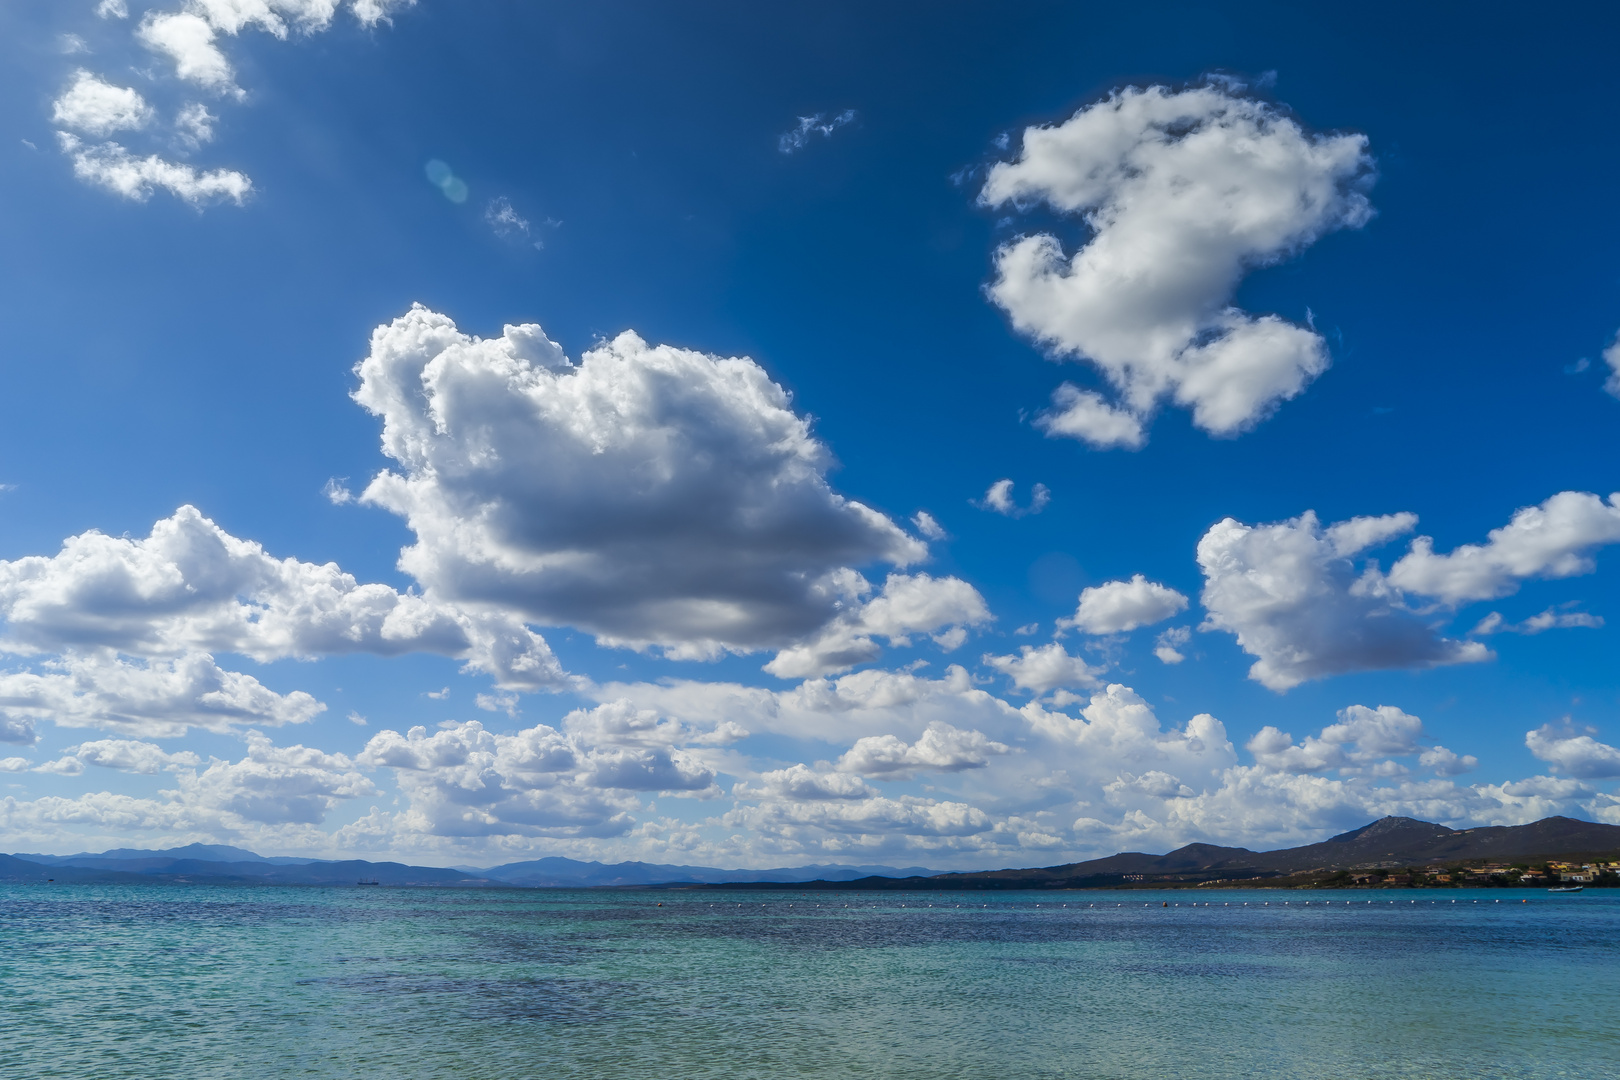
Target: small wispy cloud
(809, 126)
(927, 526)
(337, 491)
(439, 695)
(1168, 645)
(502, 217)
(1554, 618)
(356, 719)
(195, 124)
(505, 220)
(1611, 356)
(999, 499)
(506, 703)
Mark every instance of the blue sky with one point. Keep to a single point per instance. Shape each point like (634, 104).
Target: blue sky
(1419, 227)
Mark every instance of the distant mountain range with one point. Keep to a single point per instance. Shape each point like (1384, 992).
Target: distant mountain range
(1389, 842)
(149, 867)
(214, 863)
(568, 873)
(125, 858)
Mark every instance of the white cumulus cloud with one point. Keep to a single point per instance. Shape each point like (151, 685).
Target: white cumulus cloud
(1447, 762)
(1116, 607)
(1184, 192)
(1574, 753)
(1553, 540)
(113, 167)
(1046, 668)
(191, 587)
(188, 40)
(269, 792)
(940, 747)
(129, 755)
(156, 698)
(1087, 415)
(907, 604)
(1364, 742)
(1295, 597)
(277, 784)
(800, 783)
(621, 723)
(1167, 646)
(1001, 782)
(190, 37)
(647, 494)
(98, 108)
(466, 781)
(835, 710)
(1292, 595)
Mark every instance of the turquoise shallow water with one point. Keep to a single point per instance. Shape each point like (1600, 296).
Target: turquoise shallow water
(178, 982)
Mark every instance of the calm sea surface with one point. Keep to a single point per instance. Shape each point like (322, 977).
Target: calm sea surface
(174, 982)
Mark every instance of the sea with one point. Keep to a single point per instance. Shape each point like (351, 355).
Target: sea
(174, 982)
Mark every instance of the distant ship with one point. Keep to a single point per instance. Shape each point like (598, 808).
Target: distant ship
(379, 883)
(1567, 888)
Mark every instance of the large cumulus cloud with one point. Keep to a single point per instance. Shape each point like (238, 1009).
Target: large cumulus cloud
(1307, 603)
(189, 587)
(648, 494)
(1184, 193)
(1292, 594)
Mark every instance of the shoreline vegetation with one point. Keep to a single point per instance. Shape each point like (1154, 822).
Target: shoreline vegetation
(1600, 872)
